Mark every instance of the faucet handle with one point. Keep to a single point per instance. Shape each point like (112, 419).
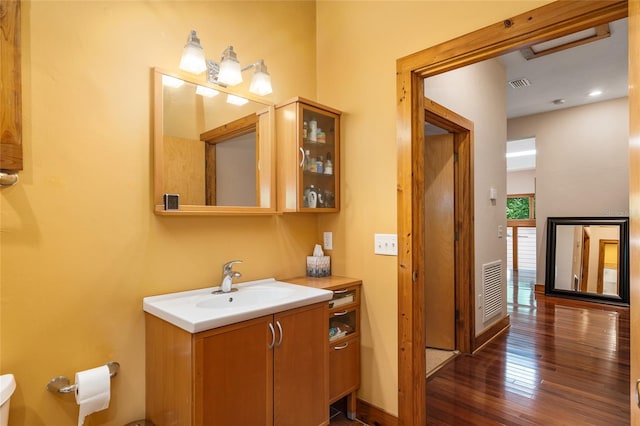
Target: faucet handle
(226, 268)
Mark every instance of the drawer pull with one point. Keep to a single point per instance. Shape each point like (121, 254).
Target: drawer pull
(340, 291)
(339, 314)
(337, 348)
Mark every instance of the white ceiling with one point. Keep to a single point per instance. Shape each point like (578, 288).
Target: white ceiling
(569, 74)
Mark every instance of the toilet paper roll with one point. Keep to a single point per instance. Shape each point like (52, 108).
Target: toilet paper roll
(93, 391)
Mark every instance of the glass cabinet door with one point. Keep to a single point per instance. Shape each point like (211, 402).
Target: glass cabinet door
(320, 153)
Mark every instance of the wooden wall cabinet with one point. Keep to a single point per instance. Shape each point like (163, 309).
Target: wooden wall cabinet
(344, 336)
(10, 87)
(270, 370)
(308, 157)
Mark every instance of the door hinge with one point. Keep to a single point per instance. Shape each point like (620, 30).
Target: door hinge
(456, 235)
(415, 276)
(456, 157)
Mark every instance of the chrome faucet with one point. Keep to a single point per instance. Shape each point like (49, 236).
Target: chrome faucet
(228, 275)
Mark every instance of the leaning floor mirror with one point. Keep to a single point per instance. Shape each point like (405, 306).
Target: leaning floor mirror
(588, 258)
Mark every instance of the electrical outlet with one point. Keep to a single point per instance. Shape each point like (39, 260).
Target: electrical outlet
(328, 240)
(386, 244)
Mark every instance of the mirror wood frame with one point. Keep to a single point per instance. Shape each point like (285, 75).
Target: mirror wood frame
(545, 23)
(266, 193)
(623, 259)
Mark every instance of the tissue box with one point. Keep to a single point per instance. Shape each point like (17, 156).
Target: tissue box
(318, 266)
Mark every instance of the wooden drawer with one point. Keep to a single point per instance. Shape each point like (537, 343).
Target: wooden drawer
(343, 324)
(344, 368)
(345, 297)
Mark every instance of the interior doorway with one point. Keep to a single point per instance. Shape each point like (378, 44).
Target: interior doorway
(446, 181)
(445, 296)
(548, 22)
(448, 266)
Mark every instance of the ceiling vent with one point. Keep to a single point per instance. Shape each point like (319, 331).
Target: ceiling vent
(520, 82)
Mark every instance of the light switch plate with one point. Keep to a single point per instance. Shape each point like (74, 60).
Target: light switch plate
(328, 241)
(386, 244)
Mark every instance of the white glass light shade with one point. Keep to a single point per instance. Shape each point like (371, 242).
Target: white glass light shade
(206, 91)
(261, 82)
(169, 81)
(230, 72)
(236, 100)
(193, 60)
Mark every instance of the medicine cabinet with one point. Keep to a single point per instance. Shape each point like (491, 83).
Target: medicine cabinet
(214, 150)
(308, 156)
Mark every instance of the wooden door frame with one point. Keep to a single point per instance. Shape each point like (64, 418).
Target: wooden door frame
(545, 23)
(584, 268)
(462, 130)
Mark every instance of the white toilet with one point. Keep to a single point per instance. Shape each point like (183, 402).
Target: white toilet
(7, 386)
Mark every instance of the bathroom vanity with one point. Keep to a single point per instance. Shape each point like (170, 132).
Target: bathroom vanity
(267, 370)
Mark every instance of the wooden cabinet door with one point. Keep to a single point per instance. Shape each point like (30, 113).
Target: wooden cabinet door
(234, 375)
(344, 366)
(302, 154)
(301, 386)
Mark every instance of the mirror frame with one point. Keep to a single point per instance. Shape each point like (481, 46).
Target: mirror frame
(623, 224)
(266, 154)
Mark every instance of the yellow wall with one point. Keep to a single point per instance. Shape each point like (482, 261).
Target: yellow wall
(358, 44)
(80, 246)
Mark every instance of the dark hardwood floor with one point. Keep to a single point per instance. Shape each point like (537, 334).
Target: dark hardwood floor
(562, 362)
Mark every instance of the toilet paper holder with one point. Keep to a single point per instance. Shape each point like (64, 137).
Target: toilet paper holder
(62, 384)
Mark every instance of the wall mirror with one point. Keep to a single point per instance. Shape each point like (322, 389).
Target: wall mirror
(214, 150)
(588, 258)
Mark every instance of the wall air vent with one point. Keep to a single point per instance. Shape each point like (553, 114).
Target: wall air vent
(520, 82)
(492, 289)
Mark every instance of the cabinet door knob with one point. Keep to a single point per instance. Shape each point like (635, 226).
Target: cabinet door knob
(337, 348)
(273, 336)
(280, 330)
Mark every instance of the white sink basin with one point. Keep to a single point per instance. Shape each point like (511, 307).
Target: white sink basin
(200, 310)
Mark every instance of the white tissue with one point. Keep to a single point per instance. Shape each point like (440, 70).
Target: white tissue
(93, 391)
(317, 250)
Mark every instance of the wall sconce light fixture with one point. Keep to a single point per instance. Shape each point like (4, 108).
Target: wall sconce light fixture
(228, 71)
(193, 59)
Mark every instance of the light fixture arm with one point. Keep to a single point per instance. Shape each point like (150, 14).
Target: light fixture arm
(213, 70)
(259, 65)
